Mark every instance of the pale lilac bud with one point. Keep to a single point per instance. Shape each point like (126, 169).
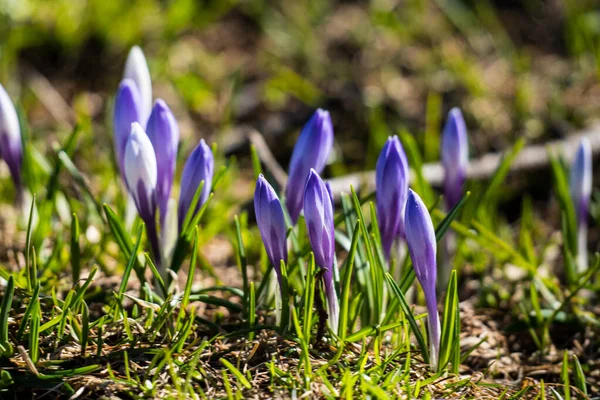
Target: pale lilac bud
(163, 131)
(581, 180)
(420, 237)
(127, 111)
(311, 151)
(136, 68)
(141, 173)
(391, 180)
(11, 148)
(271, 223)
(198, 167)
(318, 212)
(580, 183)
(455, 157)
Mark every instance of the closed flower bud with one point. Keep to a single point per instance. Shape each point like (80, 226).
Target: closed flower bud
(311, 152)
(580, 183)
(455, 157)
(391, 180)
(163, 131)
(127, 111)
(140, 173)
(11, 148)
(420, 237)
(198, 167)
(318, 212)
(137, 70)
(271, 223)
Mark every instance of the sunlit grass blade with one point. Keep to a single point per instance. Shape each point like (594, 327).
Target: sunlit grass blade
(579, 376)
(236, 372)
(132, 261)
(346, 284)
(5, 346)
(409, 316)
(243, 262)
(75, 250)
(449, 323)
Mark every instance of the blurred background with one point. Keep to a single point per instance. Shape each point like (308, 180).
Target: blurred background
(517, 68)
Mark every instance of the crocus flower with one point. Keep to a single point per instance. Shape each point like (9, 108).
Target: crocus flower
(163, 131)
(127, 111)
(11, 148)
(137, 70)
(318, 212)
(271, 223)
(581, 189)
(311, 151)
(420, 236)
(141, 178)
(198, 167)
(455, 157)
(391, 180)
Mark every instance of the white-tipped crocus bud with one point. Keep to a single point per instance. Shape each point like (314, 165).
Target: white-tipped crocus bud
(141, 173)
(11, 148)
(136, 68)
(310, 152)
(420, 237)
(318, 212)
(391, 180)
(271, 223)
(126, 112)
(455, 157)
(198, 167)
(163, 131)
(580, 183)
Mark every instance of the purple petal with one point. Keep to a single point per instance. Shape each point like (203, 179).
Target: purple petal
(271, 223)
(198, 167)
(455, 157)
(163, 131)
(391, 179)
(127, 111)
(310, 152)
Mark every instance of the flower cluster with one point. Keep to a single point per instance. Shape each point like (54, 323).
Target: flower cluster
(146, 141)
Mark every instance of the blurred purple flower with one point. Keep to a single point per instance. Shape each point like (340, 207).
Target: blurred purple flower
(198, 167)
(311, 151)
(126, 112)
(455, 157)
(11, 148)
(420, 236)
(391, 179)
(318, 212)
(271, 223)
(581, 189)
(163, 131)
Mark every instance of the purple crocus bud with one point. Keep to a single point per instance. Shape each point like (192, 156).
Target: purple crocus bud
(136, 69)
(11, 148)
(198, 167)
(141, 173)
(318, 212)
(455, 157)
(420, 236)
(391, 180)
(127, 111)
(271, 223)
(580, 183)
(163, 131)
(311, 151)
